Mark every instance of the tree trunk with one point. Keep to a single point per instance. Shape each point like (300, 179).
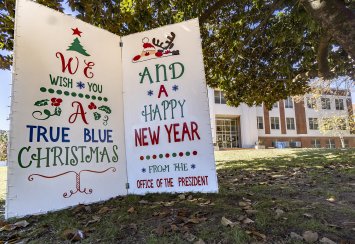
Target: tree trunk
(342, 142)
(336, 19)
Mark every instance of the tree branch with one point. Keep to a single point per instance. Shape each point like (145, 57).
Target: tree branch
(207, 14)
(263, 23)
(336, 18)
(322, 56)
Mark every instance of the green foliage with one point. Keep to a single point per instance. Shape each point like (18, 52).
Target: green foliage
(3, 146)
(105, 109)
(43, 102)
(97, 116)
(253, 49)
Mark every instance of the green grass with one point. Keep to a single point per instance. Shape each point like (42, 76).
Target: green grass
(296, 181)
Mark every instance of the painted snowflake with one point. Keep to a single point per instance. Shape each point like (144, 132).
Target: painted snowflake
(175, 87)
(193, 166)
(80, 85)
(144, 170)
(150, 93)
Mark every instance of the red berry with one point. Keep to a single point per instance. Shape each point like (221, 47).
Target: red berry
(136, 57)
(53, 99)
(159, 54)
(56, 104)
(59, 100)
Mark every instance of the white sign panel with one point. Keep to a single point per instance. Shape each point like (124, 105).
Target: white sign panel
(168, 135)
(67, 131)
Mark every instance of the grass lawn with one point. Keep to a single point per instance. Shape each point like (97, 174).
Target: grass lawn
(264, 196)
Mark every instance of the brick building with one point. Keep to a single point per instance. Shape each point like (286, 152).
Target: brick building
(287, 124)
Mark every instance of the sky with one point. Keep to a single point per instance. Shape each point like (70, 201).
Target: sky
(5, 90)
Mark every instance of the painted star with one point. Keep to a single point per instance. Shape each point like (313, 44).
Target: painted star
(144, 170)
(150, 93)
(76, 31)
(175, 87)
(80, 85)
(193, 166)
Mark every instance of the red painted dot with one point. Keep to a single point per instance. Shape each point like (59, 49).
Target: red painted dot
(194, 152)
(142, 157)
(167, 155)
(154, 156)
(181, 154)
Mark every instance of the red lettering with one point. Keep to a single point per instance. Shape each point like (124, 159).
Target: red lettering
(144, 143)
(154, 137)
(169, 131)
(185, 130)
(176, 133)
(79, 110)
(67, 65)
(88, 67)
(162, 90)
(194, 128)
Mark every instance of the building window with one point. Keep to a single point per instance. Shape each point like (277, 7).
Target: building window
(346, 143)
(275, 105)
(313, 123)
(339, 104)
(330, 143)
(219, 97)
(311, 102)
(290, 122)
(315, 143)
(260, 122)
(275, 123)
(325, 103)
(289, 102)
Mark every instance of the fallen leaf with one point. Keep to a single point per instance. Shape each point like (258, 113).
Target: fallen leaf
(22, 223)
(307, 215)
(200, 241)
(243, 204)
(331, 199)
(227, 222)
(247, 221)
(94, 220)
(348, 223)
(251, 211)
(296, 236)
(325, 240)
(159, 230)
(189, 237)
(103, 210)
(174, 228)
(131, 210)
(279, 212)
(8, 227)
(257, 234)
(78, 235)
(182, 197)
(310, 236)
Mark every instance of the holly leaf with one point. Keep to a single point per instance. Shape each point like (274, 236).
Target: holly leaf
(58, 111)
(97, 116)
(105, 109)
(43, 102)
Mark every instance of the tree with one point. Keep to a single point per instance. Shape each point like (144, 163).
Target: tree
(255, 50)
(3, 146)
(336, 125)
(337, 121)
(77, 47)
